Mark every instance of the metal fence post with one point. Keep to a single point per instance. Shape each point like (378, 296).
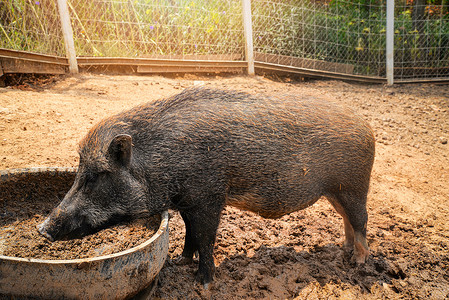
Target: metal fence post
(68, 35)
(247, 25)
(390, 42)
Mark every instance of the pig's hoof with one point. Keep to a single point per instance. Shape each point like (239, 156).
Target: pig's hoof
(206, 285)
(361, 254)
(203, 279)
(360, 258)
(182, 260)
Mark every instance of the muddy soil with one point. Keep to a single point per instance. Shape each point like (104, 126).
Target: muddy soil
(299, 255)
(27, 201)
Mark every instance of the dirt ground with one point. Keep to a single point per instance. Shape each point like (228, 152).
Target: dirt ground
(300, 255)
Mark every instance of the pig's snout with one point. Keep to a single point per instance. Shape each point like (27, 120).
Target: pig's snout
(42, 228)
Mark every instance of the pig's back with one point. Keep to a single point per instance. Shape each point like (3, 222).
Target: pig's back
(263, 151)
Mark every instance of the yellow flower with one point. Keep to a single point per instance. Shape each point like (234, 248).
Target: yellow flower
(360, 45)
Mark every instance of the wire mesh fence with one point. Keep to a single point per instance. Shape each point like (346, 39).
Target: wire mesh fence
(32, 26)
(421, 39)
(336, 36)
(173, 29)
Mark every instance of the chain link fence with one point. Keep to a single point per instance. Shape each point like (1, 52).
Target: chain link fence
(143, 28)
(333, 36)
(32, 26)
(421, 39)
(336, 36)
(349, 36)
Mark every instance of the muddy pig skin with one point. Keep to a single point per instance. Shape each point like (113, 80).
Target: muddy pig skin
(205, 148)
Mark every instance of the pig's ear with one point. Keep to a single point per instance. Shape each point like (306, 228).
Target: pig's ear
(120, 149)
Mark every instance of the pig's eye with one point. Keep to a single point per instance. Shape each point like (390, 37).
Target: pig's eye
(90, 181)
(92, 177)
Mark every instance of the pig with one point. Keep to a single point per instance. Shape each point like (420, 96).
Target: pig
(203, 149)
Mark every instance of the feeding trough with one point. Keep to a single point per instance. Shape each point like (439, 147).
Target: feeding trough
(112, 276)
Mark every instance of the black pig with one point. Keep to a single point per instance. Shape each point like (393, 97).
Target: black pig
(203, 149)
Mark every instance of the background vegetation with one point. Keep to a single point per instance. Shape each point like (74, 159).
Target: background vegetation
(336, 31)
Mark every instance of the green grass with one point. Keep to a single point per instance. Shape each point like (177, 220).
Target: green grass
(30, 26)
(144, 27)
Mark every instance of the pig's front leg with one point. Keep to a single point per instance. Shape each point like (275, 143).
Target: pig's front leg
(190, 246)
(203, 230)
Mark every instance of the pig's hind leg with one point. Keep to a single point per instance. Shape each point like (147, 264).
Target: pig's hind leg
(355, 218)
